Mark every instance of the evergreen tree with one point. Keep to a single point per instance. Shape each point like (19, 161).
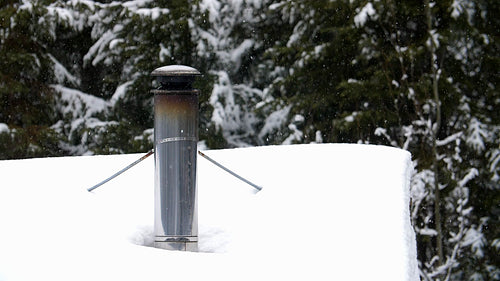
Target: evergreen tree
(26, 102)
(230, 47)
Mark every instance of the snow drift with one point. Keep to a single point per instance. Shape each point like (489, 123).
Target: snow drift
(329, 211)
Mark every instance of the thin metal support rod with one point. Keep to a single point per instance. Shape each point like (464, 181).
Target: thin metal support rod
(122, 170)
(229, 171)
(152, 151)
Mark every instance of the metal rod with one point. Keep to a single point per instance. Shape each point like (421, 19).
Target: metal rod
(122, 170)
(229, 171)
(152, 151)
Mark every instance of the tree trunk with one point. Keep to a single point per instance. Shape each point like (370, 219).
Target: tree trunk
(434, 132)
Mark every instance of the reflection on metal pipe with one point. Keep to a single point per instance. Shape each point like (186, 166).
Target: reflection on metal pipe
(176, 137)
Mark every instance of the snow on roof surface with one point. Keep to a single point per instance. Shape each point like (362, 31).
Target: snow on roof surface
(326, 211)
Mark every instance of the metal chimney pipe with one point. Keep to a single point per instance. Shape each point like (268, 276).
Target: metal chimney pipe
(176, 137)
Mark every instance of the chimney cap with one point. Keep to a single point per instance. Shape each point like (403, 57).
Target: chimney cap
(175, 70)
(175, 77)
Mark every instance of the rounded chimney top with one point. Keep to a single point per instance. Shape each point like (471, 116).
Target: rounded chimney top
(175, 70)
(175, 76)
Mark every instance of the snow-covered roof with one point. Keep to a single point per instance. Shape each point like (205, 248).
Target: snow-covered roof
(326, 211)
